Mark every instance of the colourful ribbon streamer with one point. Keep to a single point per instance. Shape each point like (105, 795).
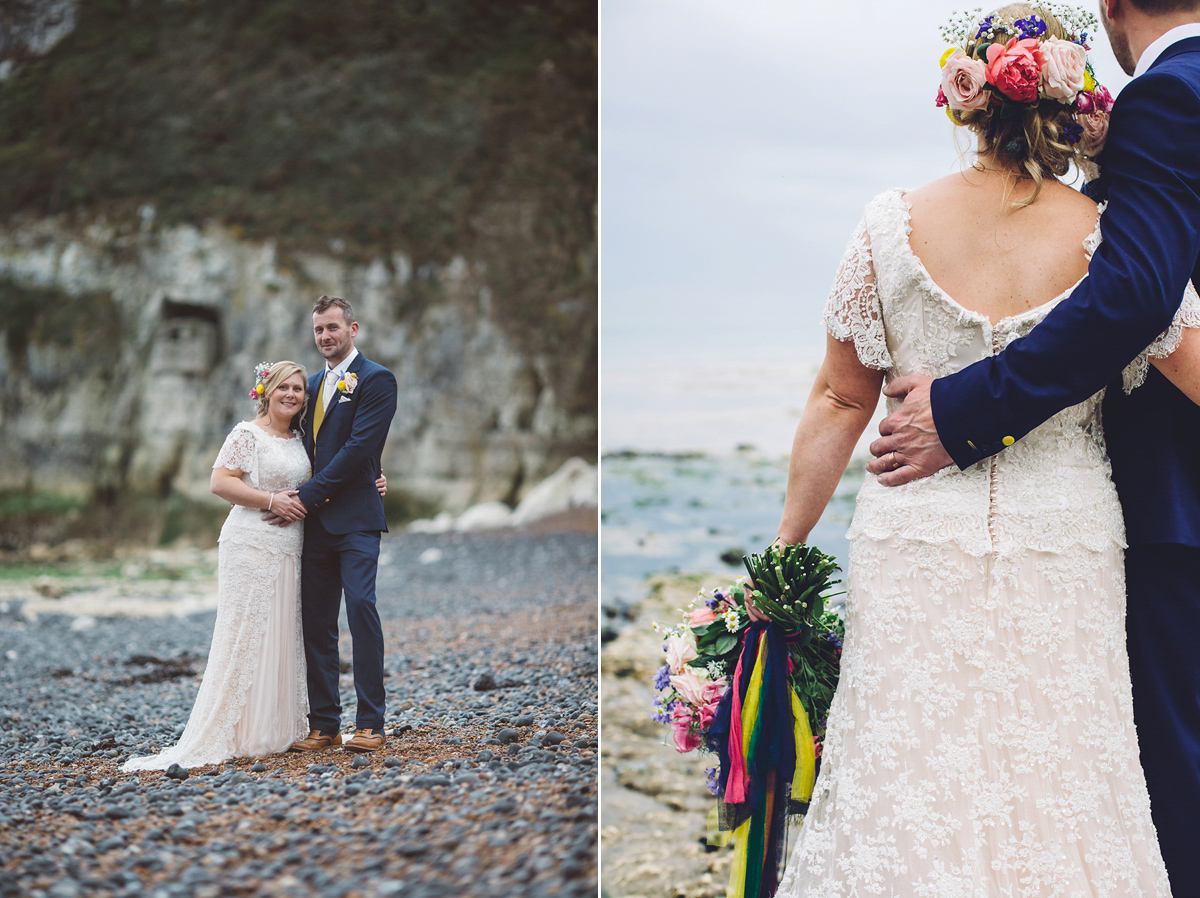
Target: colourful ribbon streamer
(763, 738)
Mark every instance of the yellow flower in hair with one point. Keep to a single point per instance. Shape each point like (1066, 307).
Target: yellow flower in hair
(260, 389)
(945, 56)
(1089, 80)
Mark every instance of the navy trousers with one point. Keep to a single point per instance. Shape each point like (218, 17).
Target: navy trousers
(333, 565)
(1163, 627)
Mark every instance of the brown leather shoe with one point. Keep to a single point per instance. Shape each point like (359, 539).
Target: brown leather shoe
(317, 741)
(364, 740)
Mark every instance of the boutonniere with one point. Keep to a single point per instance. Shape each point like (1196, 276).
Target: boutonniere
(348, 383)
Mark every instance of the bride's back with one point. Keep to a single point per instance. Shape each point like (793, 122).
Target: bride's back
(990, 257)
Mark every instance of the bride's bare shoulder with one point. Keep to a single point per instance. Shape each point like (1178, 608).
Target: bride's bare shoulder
(957, 196)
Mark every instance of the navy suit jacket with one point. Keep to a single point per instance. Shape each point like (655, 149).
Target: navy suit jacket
(346, 453)
(1135, 283)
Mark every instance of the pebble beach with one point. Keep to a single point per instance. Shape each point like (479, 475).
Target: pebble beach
(487, 784)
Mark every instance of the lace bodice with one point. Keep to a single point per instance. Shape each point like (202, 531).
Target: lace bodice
(981, 741)
(267, 463)
(1028, 496)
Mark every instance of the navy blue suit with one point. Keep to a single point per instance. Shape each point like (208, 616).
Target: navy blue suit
(1136, 280)
(341, 542)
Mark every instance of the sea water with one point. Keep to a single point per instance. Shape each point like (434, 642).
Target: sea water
(695, 463)
(699, 513)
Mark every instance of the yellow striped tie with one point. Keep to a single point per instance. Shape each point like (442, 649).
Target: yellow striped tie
(320, 413)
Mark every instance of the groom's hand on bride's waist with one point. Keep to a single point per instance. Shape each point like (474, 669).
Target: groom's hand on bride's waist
(909, 447)
(286, 508)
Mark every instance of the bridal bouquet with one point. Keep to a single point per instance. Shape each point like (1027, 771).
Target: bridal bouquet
(756, 695)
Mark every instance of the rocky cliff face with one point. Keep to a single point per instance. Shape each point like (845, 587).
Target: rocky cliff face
(130, 348)
(178, 182)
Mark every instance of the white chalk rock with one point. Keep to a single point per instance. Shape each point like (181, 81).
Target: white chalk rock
(484, 516)
(575, 485)
(441, 524)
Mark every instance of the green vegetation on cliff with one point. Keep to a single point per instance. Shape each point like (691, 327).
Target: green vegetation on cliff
(428, 127)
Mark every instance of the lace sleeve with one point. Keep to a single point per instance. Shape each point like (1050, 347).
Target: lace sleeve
(237, 453)
(853, 311)
(1188, 316)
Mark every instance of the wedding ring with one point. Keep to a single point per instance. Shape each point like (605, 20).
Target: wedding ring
(895, 461)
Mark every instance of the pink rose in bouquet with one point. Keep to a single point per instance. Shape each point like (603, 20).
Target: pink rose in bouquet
(690, 686)
(1016, 68)
(687, 738)
(1102, 98)
(964, 82)
(707, 711)
(680, 650)
(1095, 132)
(1063, 71)
(701, 617)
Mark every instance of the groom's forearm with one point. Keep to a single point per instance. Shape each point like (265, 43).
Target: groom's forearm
(1134, 286)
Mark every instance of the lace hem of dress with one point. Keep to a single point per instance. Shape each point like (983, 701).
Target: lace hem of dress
(248, 585)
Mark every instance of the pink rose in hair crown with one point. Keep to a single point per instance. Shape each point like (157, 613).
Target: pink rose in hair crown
(1095, 133)
(1096, 100)
(964, 82)
(1062, 73)
(1016, 68)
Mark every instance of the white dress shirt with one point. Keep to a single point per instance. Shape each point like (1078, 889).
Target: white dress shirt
(1151, 53)
(333, 375)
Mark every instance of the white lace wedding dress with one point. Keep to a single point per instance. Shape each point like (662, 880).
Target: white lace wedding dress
(253, 699)
(981, 741)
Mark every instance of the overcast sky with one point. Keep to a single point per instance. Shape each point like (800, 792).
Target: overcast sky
(740, 142)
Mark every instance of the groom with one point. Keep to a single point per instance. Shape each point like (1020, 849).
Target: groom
(1151, 176)
(350, 407)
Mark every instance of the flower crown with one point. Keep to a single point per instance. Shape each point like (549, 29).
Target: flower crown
(1011, 63)
(261, 372)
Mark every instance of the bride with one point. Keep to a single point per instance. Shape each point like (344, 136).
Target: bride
(981, 740)
(253, 700)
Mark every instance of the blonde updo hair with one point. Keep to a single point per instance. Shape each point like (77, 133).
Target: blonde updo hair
(280, 371)
(1031, 139)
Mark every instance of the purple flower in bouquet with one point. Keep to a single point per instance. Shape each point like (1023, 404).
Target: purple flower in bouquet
(662, 679)
(663, 709)
(713, 775)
